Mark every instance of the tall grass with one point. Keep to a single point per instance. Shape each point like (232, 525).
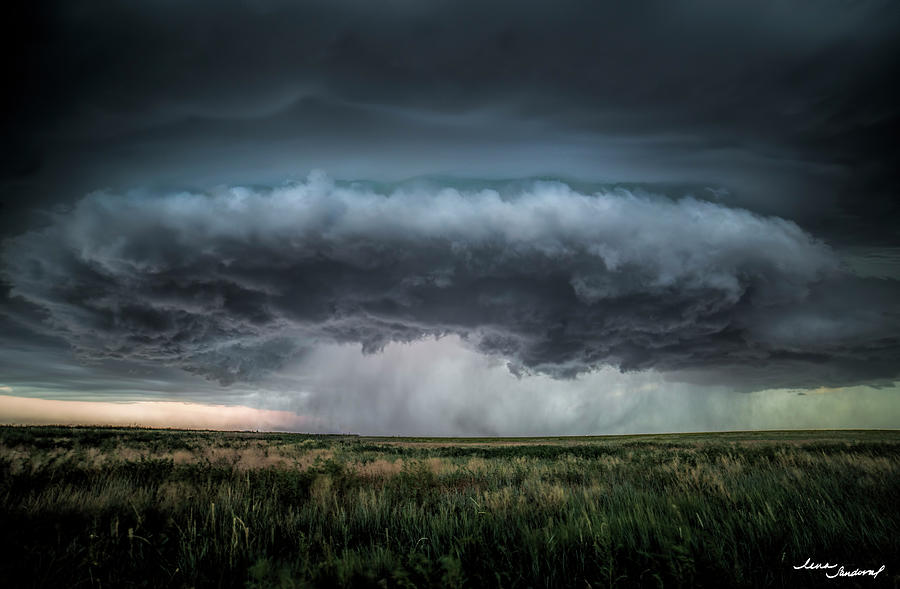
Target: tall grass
(120, 508)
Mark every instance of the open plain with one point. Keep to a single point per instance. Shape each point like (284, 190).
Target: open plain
(123, 507)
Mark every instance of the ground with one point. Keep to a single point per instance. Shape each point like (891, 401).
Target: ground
(121, 507)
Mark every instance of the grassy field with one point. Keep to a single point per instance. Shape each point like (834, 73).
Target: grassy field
(105, 507)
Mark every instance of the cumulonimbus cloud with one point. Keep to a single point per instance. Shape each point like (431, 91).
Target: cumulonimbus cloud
(232, 283)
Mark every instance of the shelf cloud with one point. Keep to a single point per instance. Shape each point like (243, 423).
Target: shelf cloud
(232, 283)
(700, 194)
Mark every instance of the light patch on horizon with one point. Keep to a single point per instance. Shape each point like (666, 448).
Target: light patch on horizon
(169, 414)
(822, 391)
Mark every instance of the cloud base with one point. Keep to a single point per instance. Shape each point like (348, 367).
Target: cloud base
(234, 283)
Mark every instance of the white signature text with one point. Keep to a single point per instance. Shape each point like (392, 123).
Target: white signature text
(835, 570)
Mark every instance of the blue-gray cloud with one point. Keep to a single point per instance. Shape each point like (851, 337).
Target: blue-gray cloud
(233, 283)
(789, 106)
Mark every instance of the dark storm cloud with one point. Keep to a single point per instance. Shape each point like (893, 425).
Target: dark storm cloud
(788, 106)
(38, 361)
(768, 113)
(232, 284)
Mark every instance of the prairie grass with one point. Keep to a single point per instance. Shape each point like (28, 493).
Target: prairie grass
(113, 507)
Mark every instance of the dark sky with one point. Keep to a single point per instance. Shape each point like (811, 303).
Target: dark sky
(199, 198)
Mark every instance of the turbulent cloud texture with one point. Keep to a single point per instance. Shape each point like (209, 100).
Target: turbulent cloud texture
(789, 106)
(233, 283)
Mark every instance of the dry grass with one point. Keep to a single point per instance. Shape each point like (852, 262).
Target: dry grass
(114, 508)
(378, 469)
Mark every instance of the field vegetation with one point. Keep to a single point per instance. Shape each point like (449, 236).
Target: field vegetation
(120, 507)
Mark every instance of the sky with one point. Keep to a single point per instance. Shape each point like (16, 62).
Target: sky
(451, 218)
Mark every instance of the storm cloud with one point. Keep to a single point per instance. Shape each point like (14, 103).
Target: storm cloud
(782, 108)
(548, 199)
(233, 283)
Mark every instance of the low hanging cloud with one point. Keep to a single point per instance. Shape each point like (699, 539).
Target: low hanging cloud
(234, 283)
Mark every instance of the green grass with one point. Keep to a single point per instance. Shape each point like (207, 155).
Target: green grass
(118, 507)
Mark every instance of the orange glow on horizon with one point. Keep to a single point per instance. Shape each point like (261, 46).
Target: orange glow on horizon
(172, 414)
